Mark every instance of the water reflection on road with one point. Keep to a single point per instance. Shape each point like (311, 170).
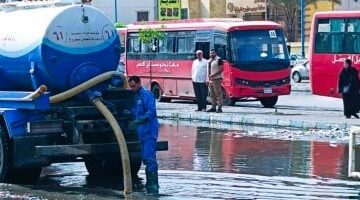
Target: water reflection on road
(204, 163)
(214, 150)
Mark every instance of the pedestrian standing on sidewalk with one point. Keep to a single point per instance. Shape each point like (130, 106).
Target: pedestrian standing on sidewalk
(199, 76)
(215, 79)
(349, 86)
(146, 126)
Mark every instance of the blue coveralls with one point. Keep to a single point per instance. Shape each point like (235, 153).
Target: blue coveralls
(148, 132)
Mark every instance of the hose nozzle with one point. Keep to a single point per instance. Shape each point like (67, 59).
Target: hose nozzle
(37, 93)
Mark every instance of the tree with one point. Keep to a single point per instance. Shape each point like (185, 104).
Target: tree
(119, 25)
(291, 9)
(149, 38)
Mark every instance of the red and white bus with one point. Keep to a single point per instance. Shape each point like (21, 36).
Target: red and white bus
(256, 61)
(335, 36)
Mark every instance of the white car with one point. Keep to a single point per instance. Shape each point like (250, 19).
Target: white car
(296, 59)
(300, 72)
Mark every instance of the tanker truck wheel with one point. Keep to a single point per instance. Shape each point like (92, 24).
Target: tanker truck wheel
(26, 175)
(5, 156)
(98, 167)
(7, 173)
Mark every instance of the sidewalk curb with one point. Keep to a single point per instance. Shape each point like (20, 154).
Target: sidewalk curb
(300, 90)
(250, 120)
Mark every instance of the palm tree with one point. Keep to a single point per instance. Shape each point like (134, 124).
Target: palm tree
(291, 9)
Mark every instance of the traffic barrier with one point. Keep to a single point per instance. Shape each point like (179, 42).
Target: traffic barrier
(354, 130)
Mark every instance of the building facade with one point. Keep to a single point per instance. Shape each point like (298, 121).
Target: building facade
(268, 11)
(128, 11)
(349, 5)
(224, 8)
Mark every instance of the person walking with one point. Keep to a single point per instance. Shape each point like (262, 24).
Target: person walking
(146, 126)
(349, 86)
(199, 76)
(215, 79)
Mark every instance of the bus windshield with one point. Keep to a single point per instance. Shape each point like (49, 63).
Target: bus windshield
(338, 35)
(258, 50)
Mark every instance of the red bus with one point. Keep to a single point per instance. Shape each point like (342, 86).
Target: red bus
(334, 37)
(256, 61)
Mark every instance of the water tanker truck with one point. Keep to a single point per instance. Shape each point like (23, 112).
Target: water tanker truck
(57, 49)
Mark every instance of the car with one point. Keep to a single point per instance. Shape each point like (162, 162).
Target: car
(300, 72)
(296, 59)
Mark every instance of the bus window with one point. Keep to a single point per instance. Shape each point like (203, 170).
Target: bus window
(181, 45)
(185, 45)
(221, 50)
(352, 39)
(122, 42)
(337, 41)
(150, 47)
(133, 45)
(190, 45)
(220, 46)
(337, 25)
(205, 47)
(167, 45)
(322, 43)
(337, 28)
(330, 36)
(265, 46)
(278, 51)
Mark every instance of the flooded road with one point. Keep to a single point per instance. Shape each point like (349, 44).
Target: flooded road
(208, 163)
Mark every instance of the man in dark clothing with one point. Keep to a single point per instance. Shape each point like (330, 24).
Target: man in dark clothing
(349, 86)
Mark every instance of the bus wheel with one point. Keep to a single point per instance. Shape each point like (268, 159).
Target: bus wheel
(155, 89)
(227, 101)
(268, 102)
(296, 77)
(5, 156)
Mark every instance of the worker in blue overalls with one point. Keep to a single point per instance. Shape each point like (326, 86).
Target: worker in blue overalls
(146, 125)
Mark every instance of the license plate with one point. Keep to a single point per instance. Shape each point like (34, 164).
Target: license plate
(267, 90)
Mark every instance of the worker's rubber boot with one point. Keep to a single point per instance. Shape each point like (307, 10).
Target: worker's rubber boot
(137, 183)
(152, 183)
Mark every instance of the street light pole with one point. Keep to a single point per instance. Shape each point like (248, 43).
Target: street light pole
(302, 10)
(115, 10)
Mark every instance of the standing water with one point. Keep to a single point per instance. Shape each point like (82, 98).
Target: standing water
(209, 163)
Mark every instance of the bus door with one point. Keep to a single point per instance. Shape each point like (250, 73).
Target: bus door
(202, 42)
